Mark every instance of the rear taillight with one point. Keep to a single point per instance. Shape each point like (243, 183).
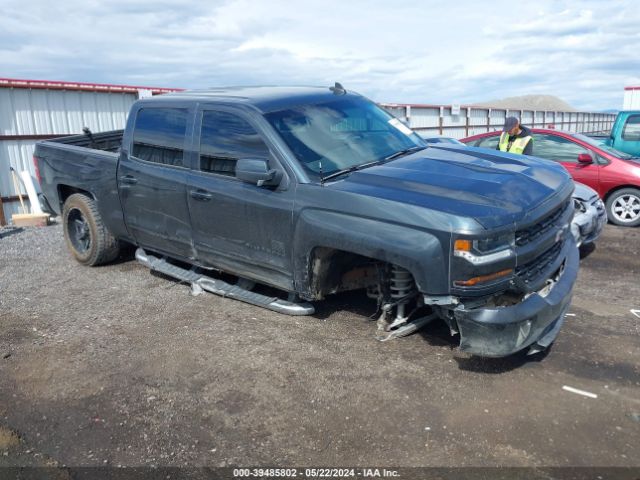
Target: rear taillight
(35, 165)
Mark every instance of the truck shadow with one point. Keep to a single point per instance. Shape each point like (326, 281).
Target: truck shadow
(436, 334)
(586, 250)
(499, 365)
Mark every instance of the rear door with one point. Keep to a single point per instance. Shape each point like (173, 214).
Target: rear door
(565, 151)
(152, 179)
(238, 226)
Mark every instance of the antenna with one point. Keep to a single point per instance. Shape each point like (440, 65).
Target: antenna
(338, 89)
(321, 174)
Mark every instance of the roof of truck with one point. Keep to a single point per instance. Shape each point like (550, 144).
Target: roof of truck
(265, 98)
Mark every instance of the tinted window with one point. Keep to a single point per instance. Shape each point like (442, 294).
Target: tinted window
(158, 135)
(557, 149)
(342, 133)
(224, 139)
(489, 142)
(632, 128)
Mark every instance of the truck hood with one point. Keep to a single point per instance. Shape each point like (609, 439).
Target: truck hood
(493, 188)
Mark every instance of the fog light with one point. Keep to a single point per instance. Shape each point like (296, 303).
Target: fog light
(523, 333)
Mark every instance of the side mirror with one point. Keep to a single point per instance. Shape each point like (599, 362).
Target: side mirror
(585, 158)
(256, 170)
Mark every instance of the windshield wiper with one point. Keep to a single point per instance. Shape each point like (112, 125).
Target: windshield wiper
(350, 169)
(404, 152)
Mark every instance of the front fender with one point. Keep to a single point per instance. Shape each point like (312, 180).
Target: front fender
(424, 254)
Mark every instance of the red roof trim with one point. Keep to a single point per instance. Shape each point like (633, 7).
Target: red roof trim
(87, 87)
(632, 88)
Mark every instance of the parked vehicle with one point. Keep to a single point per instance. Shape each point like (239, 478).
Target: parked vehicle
(438, 139)
(613, 174)
(590, 214)
(625, 133)
(315, 191)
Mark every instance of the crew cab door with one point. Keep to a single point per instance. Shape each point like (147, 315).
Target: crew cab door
(152, 179)
(565, 151)
(240, 227)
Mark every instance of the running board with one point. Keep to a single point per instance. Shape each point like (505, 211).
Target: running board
(201, 282)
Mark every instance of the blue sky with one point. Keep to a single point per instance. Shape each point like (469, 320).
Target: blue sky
(585, 51)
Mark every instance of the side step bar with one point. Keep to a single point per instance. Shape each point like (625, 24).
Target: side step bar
(200, 282)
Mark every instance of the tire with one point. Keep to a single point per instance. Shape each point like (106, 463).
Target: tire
(623, 207)
(86, 237)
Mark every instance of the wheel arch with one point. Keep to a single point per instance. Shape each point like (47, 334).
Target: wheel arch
(617, 188)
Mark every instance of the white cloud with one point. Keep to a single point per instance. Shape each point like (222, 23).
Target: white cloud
(426, 52)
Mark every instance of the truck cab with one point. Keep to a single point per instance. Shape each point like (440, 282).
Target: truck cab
(625, 134)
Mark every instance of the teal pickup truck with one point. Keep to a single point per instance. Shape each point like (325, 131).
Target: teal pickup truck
(625, 134)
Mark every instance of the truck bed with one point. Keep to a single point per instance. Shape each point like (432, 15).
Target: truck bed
(80, 164)
(106, 141)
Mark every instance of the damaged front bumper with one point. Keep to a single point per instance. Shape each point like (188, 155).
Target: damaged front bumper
(587, 226)
(534, 322)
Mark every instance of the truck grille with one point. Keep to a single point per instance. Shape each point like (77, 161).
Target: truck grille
(532, 270)
(529, 234)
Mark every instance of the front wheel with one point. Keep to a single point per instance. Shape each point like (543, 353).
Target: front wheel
(84, 232)
(623, 207)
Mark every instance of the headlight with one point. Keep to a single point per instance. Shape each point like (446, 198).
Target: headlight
(579, 205)
(485, 250)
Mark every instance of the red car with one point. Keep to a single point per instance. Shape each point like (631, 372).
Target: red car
(613, 174)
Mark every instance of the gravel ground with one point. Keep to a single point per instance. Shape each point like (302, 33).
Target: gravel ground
(117, 366)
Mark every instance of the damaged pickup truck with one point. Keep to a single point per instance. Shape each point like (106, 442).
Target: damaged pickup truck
(314, 191)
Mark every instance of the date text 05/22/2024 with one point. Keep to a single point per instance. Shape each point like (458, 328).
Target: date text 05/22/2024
(314, 473)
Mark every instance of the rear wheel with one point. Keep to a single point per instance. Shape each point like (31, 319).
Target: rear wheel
(84, 232)
(623, 207)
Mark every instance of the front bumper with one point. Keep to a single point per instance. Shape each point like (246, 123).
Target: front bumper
(501, 331)
(587, 226)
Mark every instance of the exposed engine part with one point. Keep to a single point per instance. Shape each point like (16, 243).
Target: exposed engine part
(396, 290)
(443, 300)
(407, 329)
(401, 285)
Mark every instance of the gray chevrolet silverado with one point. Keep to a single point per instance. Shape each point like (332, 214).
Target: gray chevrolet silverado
(314, 191)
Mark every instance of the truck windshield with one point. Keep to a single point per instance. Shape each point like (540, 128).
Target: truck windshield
(342, 134)
(602, 146)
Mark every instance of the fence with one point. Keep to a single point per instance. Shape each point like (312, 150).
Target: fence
(460, 122)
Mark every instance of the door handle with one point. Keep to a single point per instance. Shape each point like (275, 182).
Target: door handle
(129, 180)
(201, 195)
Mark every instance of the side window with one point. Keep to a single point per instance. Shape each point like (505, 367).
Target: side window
(158, 135)
(631, 129)
(557, 149)
(489, 142)
(224, 139)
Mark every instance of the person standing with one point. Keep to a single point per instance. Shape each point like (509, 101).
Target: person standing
(515, 138)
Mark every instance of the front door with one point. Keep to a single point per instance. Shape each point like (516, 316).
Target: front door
(238, 226)
(152, 179)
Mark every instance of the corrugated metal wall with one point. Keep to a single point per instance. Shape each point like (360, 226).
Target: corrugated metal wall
(27, 115)
(439, 119)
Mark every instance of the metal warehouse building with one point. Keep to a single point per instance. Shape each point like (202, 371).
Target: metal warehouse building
(32, 110)
(631, 98)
